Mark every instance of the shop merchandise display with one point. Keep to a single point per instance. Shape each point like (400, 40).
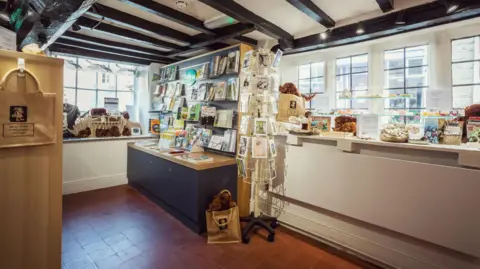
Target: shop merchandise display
(256, 153)
(396, 132)
(223, 221)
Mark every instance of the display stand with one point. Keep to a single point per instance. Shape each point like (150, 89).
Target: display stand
(256, 153)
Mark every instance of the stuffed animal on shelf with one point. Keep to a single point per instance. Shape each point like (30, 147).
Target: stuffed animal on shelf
(222, 201)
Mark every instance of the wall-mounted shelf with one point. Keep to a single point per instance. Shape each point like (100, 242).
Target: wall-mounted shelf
(376, 98)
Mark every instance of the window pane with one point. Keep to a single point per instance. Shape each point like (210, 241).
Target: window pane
(86, 79)
(360, 63)
(125, 99)
(106, 81)
(304, 86)
(361, 103)
(101, 97)
(69, 96)
(417, 56)
(342, 103)
(360, 82)
(304, 71)
(318, 69)
(125, 82)
(394, 103)
(317, 104)
(343, 83)
(394, 59)
(69, 76)
(343, 66)
(418, 98)
(465, 96)
(417, 77)
(318, 85)
(466, 49)
(466, 73)
(86, 100)
(394, 78)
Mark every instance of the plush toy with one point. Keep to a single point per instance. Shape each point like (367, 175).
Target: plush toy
(290, 88)
(222, 201)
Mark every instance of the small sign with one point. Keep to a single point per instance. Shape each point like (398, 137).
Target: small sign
(367, 126)
(111, 104)
(18, 129)
(18, 113)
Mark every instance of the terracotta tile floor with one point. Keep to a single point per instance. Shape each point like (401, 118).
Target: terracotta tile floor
(119, 228)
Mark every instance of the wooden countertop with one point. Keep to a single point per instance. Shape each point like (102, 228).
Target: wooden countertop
(97, 139)
(218, 160)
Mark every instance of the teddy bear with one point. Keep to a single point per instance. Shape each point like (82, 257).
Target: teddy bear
(290, 88)
(222, 201)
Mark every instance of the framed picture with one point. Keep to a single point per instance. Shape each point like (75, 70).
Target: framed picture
(242, 169)
(260, 126)
(273, 169)
(272, 147)
(243, 148)
(259, 147)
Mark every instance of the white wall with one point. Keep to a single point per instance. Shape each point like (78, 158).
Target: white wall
(94, 165)
(439, 41)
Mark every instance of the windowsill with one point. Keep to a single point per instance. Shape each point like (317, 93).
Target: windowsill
(99, 139)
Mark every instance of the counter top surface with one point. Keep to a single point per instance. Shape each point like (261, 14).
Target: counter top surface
(431, 147)
(96, 139)
(218, 160)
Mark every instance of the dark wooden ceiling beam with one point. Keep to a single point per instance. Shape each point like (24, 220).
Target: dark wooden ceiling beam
(238, 12)
(225, 33)
(168, 13)
(107, 43)
(102, 26)
(386, 5)
(138, 24)
(212, 47)
(247, 40)
(71, 43)
(417, 18)
(314, 12)
(97, 54)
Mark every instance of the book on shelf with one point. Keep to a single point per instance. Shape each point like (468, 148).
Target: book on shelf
(211, 90)
(194, 112)
(162, 75)
(230, 139)
(202, 72)
(180, 89)
(232, 89)
(215, 66)
(192, 92)
(208, 114)
(224, 119)
(220, 91)
(216, 142)
(173, 73)
(233, 62)
(202, 92)
(222, 66)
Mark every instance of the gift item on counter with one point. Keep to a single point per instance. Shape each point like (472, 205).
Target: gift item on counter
(395, 132)
(416, 134)
(452, 134)
(346, 124)
(470, 111)
(432, 131)
(223, 220)
(323, 124)
(473, 131)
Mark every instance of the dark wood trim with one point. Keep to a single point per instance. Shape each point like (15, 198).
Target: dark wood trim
(107, 43)
(417, 18)
(386, 5)
(238, 12)
(314, 12)
(71, 43)
(97, 54)
(247, 40)
(224, 33)
(138, 24)
(169, 14)
(89, 23)
(212, 47)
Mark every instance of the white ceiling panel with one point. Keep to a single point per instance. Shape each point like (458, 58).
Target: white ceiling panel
(194, 8)
(258, 35)
(282, 14)
(337, 9)
(107, 36)
(148, 16)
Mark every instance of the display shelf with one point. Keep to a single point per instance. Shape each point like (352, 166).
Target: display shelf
(384, 115)
(376, 98)
(160, 111)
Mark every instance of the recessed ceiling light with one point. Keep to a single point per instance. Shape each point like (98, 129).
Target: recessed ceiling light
(400, 19)
(360, 29)
(452, 8)
(325, 34)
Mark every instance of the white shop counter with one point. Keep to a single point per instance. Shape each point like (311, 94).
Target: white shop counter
(410, 206)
